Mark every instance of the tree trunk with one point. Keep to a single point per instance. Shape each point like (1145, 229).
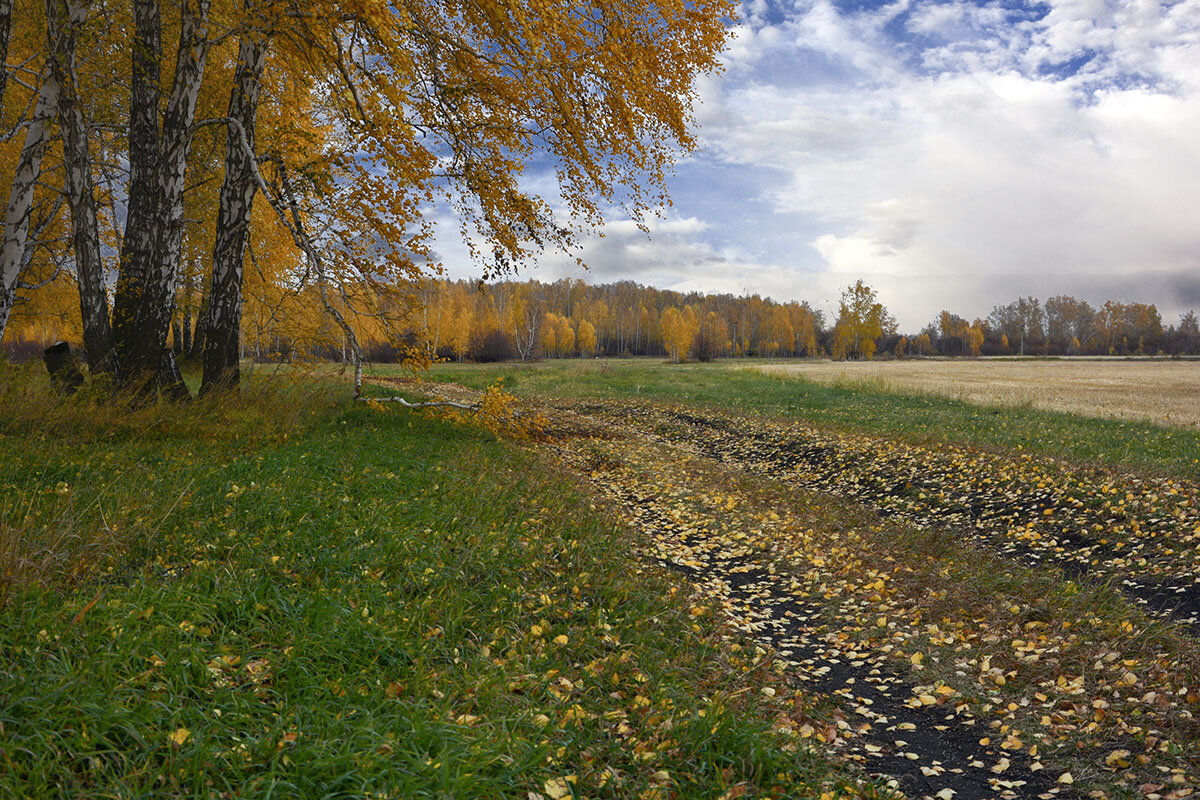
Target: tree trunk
(20, 197)
(177, 140)
(200, 332)
(186, 317)
(145, 298)
(6, 9)
(137, 246)
(63, 22)
(233, 221)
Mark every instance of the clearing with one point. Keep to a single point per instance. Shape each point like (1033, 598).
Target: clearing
(283, 595)
(693, 582)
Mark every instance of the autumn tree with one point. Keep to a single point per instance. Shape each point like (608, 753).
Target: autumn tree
(862, 319)
(1128, 327)
(386, 108)
(679, 330)
(556, 337)
(806, 325)
(1189, 333)
(973, 338)
(710, 337)
(1068, 322)
(24, 167)
(1022, 321)
(776, 334)
(585, 338)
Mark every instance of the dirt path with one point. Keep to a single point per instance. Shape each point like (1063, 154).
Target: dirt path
(999, 716)
(931, 747)
(1143, 535)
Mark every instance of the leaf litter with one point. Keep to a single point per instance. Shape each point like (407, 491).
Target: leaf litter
(857, 564)
(996, 696)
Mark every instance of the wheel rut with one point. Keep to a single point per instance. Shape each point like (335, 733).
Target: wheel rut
(895, 729)
(1023, 521)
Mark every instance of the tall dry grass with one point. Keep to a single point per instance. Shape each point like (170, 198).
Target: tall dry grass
(74, 469)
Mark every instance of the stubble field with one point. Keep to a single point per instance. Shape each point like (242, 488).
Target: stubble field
(1158, 391)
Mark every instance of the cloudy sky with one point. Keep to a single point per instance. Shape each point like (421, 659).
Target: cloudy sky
(954, 155)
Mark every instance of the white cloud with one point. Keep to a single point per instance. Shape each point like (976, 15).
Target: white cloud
(955, 155)
(991, 165)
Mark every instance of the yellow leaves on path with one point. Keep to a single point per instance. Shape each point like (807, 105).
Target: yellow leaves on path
(1143, 532)
(1002, 688)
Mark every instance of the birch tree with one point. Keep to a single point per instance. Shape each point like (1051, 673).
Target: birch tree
(358, 123)
(19, 209)
(6, 13)
(63, 20)
(144, 302)
(223, 323)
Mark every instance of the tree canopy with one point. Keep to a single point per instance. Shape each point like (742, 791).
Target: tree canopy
(301, 153)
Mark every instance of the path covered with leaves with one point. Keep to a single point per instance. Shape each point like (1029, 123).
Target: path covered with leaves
(1142, 533)
(966, 624)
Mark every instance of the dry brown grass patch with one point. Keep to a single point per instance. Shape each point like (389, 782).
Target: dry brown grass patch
(1164, 392)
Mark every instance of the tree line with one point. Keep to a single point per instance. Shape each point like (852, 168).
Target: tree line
(1062, 325)
(462, 320)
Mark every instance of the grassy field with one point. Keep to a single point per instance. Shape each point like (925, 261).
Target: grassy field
(1162, 392)
(696, 581)
(1134, 445)
(285, 596)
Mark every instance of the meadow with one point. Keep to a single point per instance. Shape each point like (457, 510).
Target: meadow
(681, 581)
(869, 407)
(1005, 600)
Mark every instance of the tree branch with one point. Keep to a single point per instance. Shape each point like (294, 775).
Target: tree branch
(424, 404)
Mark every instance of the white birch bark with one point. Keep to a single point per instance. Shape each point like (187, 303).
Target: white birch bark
(137, 245)
(146, 290)
(20, 197)
(223, 325)
(6, 9)
(63, 21)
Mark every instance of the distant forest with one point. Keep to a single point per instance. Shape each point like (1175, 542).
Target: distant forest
(569, 318)
(463, 320)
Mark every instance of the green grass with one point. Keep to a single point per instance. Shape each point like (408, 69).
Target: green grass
(284, 596)
(1133, 446)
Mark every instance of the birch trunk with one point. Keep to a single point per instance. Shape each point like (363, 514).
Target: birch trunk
(189, 292)
(20, 197)
(148, 307)
(137, 246)
(6, 9)
(200, 331)
(177, 139)
(63, 22)
(224, 323)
